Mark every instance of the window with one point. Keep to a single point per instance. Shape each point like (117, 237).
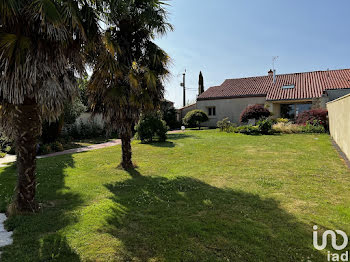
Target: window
(291, 111)
(288, 87)
(212, 111)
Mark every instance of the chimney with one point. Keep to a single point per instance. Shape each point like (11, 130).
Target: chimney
(270, 73)
(274, 76)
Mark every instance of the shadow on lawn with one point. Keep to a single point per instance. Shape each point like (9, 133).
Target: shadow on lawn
(177, 136)
(170, 144)
(36, 237)
(185, 219)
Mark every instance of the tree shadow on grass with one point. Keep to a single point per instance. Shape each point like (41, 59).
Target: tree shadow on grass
(178, 136)
(162, 144)
(185, 219)
(36, 237)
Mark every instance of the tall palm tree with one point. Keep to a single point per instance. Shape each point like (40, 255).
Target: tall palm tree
(129, 69)
(41, 45)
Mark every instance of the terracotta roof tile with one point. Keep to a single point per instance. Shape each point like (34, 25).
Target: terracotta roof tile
(307, 85)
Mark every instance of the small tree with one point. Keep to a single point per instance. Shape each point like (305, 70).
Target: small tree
(256, 112)
(194, 118)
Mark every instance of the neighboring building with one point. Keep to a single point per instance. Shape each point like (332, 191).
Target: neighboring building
(286, 95)
(181, 112)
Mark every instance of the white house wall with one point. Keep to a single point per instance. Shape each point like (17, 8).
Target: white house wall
(231, 108)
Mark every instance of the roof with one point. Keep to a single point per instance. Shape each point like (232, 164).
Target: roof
(181, 108)
(308, 85)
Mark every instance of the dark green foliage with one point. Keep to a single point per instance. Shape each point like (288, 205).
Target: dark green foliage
(151, 126)
(73, 110)
(85, 130)
(194, 118)
(265, 126)
(256, 112)
(170, 117)
(248, 130)
(225, 125)
(315, 126)
(200, 83)
(51, 131)
(6, 145)
(83, 83)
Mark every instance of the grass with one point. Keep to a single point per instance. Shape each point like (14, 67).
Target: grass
(201, 196)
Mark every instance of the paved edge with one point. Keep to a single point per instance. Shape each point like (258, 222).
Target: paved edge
(8, 159)
(341, 153)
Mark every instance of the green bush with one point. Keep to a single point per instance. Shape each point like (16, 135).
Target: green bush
(170, 117)
(265, 126)
(6, 145)
(52, 130)
(84, 130)
(57, 146)
(45, 149)
(313, 127)
(224, 124)
(151, 126)
(248, 130)
(194, 118)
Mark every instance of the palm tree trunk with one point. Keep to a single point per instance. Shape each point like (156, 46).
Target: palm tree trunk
(28, 126)
(126, 148)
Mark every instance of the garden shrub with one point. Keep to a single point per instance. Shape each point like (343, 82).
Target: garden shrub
(320, 115)
(256, 112)
(287, 128)
(194, 118)
(282, 120)
(248, 130)
(84, 130)
(45, 149)
(265, 126)
(170, 117)
(6, 145)
(151, 126)
(224, 125)
(57, 146)
(313, 127)
(52, 130)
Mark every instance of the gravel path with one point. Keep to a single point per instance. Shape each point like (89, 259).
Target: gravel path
(12, 158)
(5, 237)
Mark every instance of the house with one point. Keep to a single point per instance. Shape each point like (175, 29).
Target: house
(181, 112)
(286, 95)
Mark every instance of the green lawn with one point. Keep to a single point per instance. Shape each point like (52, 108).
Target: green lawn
(202, 196)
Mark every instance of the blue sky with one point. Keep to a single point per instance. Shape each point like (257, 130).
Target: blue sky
(238, 38)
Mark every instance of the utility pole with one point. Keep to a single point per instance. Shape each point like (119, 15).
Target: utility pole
(183, 84)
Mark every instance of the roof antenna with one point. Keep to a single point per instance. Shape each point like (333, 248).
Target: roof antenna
(274, 58)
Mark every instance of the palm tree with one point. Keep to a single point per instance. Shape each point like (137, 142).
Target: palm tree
(41, 45)
(129, 69)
